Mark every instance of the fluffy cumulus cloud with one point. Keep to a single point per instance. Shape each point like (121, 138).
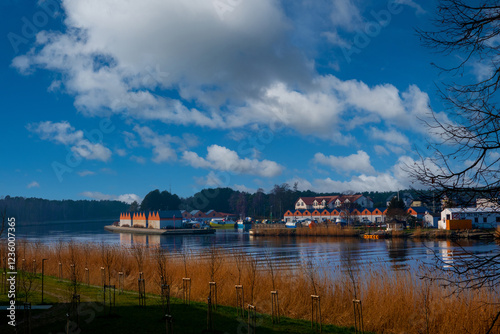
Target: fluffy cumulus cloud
(64, 133)
(33, 184)
(162, 144)
(231, 69)
(223, 159)
(354, 163)
(395, 178)
(127, 198)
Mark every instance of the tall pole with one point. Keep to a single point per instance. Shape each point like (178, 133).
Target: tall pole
(43, 272)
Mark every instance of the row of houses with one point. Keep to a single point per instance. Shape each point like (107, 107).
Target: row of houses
(152, 219)
(167, 219)
(366, 215)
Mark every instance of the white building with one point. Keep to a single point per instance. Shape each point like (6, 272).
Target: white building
(486, 217)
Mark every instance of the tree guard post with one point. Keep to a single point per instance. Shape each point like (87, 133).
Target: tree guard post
(112, 297)
(169, 324)
(316, 313)
(87, 276)
(252, 319)
(120, 282)
(60, 271)
(275, 307)
(165, 298)
(240, 299)
(186, 290)
(210, 325)
(358, 316)
(213, 294)
(103, 277)
(142, 290)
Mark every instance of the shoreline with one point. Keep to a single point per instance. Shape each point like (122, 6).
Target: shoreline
(153, 231)
(354, 233)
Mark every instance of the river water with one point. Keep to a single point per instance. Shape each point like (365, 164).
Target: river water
(285, 251)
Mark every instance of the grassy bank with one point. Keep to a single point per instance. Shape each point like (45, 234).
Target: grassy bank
(393, 302)
(127, 317)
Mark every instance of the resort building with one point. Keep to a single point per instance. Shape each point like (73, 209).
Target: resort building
(365, 216)
(152, 219)
(479, 217)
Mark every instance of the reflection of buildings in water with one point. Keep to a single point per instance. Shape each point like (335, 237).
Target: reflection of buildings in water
(446, 253)
(125, 238)
(140, 239)
(397, 250)
(154, 240)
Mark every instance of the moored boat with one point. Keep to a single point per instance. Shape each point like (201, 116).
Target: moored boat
(222, 223)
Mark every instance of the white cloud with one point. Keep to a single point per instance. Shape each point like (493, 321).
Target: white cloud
(380, 150)
(345, 14)
(85, 173)
(212, 64)
(161, 144)
(330, 106)
(410, 3)
(358, 162)
(213, 179)
(224, 159)
(64, 133)
(121, 152)
(127, 198)
(243, 188)
(140, 160)
(33, 184)
(390, 136)
(302, 184)
(109, 62)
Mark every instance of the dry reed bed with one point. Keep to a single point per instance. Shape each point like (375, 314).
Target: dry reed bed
(318, 231)
(393, 302)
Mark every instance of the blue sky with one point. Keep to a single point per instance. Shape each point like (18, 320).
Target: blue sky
(109, 100)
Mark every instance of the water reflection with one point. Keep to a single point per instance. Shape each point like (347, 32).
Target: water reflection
(397, 250)
(327, 253)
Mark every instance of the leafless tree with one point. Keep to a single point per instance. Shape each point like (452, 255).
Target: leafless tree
(214, 261)
(108, 257)
(465, 160)
(465, 163)
(239, 258)
(138, 254)
(252, 265)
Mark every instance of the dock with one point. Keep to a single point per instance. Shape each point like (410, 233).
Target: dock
(155, 231)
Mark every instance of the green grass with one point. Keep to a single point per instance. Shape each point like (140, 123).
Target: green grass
(128, 317)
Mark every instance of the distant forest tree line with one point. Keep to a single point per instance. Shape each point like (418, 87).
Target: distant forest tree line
(258, 205)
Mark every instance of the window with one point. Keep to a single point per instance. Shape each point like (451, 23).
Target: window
(485, 220)
(498, 219)
(476, 220)
(448, 217)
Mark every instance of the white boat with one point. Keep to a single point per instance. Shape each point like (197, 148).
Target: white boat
(292, 224)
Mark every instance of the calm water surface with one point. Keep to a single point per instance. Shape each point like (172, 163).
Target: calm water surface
(396, 253)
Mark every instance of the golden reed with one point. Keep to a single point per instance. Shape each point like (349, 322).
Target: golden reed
(393, 301)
